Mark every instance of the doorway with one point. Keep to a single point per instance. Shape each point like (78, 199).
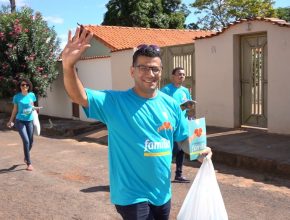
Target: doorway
(254, 80)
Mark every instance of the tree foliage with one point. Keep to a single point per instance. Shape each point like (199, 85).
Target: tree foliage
(28, 49)
(216, 14)
(283, 13)
(146, 13)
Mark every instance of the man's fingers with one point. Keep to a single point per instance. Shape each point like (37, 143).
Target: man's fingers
(77, 34)
(206, 151)
(84, 34)
(69, 36)
(84, 47)
(89, 37)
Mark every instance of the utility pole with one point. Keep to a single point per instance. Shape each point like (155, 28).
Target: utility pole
(12, 5)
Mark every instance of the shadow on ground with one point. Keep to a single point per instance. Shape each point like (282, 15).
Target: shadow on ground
(96, 189)
(12, 169)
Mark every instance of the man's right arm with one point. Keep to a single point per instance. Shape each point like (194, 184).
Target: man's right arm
(71, 54)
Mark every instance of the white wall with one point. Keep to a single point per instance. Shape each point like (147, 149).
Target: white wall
(279, 79)
(57, 103)
(214, 77)
(217, 74)
(121, 62)
(94, 74)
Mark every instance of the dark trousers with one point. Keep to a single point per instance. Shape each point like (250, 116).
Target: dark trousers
(144, 211)
(25, 129)
(179, 158)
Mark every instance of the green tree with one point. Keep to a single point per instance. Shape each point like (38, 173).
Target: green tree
(216, 14)
(193, 26)
(146, 13)
(283, 13)
(28, 49)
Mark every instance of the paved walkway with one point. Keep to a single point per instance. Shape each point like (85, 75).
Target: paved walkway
(244, 148)
(251, 149)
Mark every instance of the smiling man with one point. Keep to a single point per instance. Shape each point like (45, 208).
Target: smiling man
(142, 127)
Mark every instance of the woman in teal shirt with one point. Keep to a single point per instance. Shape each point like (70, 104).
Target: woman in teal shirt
(23, 106)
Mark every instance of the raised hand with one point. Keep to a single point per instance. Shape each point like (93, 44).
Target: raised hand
(75, 47)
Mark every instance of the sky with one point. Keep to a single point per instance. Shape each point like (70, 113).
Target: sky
(64, 15)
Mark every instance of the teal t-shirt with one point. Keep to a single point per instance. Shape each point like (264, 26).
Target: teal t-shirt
(141, 134)
(25, 106)
(180, 94)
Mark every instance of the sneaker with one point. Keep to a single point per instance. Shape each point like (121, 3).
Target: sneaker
(29, 167)
(181, 179)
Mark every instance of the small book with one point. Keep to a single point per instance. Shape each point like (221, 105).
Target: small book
(187, 104)
(196, 141)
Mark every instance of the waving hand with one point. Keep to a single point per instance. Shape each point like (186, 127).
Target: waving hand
(75, 46)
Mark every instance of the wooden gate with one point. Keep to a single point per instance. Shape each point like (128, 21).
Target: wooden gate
(254, 80)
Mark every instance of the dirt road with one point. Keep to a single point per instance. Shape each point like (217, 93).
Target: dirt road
(70, 181)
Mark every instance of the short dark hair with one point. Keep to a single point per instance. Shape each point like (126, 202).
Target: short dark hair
(27, 81)
(176, 69)
(146, 50)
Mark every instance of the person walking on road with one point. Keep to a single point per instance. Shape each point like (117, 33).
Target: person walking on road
(22, 110)
(180, 94)
(142, 124)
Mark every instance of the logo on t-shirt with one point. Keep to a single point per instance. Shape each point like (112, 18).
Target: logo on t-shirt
(155, 149)
(165, 126)
(27, 111)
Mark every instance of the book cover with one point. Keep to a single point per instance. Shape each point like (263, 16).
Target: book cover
(196, 142)
(197, 137)
(187, 104)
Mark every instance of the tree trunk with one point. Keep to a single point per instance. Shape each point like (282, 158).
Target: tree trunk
(13, 6)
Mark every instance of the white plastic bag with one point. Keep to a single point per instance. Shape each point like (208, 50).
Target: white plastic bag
(204, 200)
(36, 123)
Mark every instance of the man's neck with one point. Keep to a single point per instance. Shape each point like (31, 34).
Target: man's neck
(177, 85)
(146, 95)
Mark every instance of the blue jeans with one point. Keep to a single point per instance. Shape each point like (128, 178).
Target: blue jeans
(25, 129)
(179, 154)
(144, 211)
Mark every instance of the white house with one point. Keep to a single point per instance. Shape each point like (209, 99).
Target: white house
(106, 63)
(243, 75)
(239, 76)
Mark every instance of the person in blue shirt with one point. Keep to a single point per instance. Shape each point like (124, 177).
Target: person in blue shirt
(22, 110)
(181, 94)
(142, 125)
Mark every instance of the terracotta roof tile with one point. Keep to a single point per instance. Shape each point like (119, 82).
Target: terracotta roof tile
(94, 57)
(121, 38)
(274, 21)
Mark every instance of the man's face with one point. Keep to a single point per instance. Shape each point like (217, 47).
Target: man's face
(146, 74)
(178, 77)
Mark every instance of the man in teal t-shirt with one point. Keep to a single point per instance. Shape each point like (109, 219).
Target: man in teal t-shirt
(180, 94)
(175, 89)
(142, 125)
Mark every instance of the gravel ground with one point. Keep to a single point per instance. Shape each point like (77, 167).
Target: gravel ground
(70, 181)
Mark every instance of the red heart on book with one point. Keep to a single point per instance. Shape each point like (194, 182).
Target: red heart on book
(198, 132)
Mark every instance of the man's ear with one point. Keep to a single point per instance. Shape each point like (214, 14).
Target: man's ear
(132, 71)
